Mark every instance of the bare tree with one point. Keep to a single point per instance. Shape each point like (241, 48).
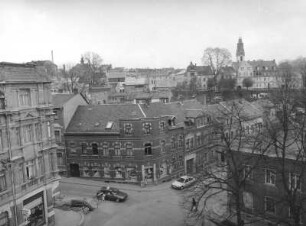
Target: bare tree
(287, 134)
(216, 58)
(92, 62)
(236, 144)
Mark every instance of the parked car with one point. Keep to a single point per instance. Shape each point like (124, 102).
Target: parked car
(183, 182)
(81, 204)
(112, 194)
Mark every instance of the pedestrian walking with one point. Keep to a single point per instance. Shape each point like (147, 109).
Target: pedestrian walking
(103, 197)
(194, 205)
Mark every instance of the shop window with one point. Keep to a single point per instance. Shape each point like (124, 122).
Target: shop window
(94, 147)
(118, 172)
(4, 219)
(148, 149)
(1, 142)
(3, 185)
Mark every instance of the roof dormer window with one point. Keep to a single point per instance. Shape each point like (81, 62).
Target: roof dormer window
(109, 125)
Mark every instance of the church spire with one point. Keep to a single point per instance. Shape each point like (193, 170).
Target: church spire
(240, 51)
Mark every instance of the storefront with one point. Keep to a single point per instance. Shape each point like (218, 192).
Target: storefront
(34, 206)
(4, 219)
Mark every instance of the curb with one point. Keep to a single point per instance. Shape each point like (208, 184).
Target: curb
(145, 189)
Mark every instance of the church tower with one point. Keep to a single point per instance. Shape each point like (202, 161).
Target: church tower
(240, 51)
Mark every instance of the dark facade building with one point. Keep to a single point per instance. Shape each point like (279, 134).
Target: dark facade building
(123, 143)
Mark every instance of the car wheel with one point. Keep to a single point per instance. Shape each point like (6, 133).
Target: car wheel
(117, 200)
(182, 187)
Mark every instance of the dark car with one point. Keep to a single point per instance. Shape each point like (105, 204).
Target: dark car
(81, 204)
(112, 194)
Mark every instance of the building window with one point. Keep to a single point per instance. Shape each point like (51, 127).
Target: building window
(94, 147)
(27, 131)
(24, 97)
(247, 200)
(270, 176)
(162, 125)
(3, 185)
(148, 149)
(247, 172)
(1, 142)
(269, 205)
(129, 149)
(49, 129)
(38, 134)
(180, 141)
(147, 127)
(57, 135)
(294, 181)
(105, 149)
(187, 144)
(191, 142)
(128, 128)
(29, 168)
(84, 148)
(172, 142)
(198, 137)
(60, 160)
(163, 146)
(117, 149)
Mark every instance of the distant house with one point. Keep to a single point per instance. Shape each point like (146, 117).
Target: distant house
(201, 73)
(116, 75)
(99, 94)
(64, 106)
(136, 85)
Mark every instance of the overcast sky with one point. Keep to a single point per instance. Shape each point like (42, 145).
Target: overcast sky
(150, 33)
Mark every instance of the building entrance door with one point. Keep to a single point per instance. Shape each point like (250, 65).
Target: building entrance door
(189, 165)
(74, 170)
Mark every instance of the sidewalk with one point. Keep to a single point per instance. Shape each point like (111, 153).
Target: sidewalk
(120, 186)
(67, 218)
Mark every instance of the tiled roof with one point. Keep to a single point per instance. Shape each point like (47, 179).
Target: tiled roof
(243, 108)
(94, 118)
(11, 72)
(58, 100)
(178, 109)
(261, 63)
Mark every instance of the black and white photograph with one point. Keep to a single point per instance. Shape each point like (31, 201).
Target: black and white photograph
(152, 113)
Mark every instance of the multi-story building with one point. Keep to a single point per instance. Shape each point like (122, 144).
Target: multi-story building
(124, 143)
(201, 73)
(64, 106)
(28, 169)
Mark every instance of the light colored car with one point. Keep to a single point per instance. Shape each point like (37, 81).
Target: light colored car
(183, 182)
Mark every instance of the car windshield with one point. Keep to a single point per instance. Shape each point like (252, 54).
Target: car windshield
(181, 180)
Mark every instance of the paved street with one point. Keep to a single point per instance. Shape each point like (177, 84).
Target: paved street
(156, 205)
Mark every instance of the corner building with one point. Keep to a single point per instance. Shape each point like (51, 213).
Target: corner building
(124, 143)
(28, 170)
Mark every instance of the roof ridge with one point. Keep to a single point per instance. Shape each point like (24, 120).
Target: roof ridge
(142, 110)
